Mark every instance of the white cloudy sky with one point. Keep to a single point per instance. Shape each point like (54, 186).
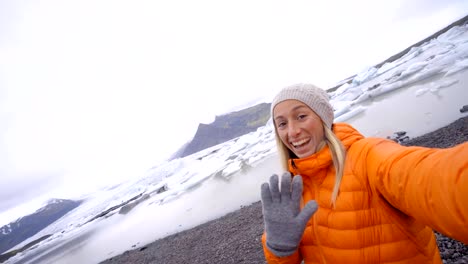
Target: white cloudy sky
(92, 91)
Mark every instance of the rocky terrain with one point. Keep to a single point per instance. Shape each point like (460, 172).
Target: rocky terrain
(235, 238)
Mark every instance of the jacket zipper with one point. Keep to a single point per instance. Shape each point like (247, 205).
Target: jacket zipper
(316, 226)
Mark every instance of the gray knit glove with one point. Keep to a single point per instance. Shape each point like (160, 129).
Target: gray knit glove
(284, 221)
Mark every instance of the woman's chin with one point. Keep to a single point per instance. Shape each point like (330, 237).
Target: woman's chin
(304, 152)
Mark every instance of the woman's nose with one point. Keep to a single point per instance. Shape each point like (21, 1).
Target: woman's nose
(293, 129)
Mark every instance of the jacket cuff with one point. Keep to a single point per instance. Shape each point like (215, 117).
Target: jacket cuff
(281, 251)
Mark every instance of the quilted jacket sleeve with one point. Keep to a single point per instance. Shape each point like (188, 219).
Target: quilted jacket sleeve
(428, 184)
(272, 259)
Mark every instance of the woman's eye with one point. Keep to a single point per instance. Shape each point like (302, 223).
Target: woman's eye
(281, 124)
(301, 117)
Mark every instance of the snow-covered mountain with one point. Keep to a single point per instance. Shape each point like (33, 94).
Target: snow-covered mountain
(418, 93)
(27, 226)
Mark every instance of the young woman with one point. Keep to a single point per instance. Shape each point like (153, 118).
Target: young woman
(354, 199)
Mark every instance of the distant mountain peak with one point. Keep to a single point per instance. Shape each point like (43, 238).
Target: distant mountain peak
(226, 127)
(24, 227)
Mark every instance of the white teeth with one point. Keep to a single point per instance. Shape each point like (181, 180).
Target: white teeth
(298, 143)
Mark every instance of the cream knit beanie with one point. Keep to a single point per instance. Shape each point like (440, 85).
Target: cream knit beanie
(317, 99)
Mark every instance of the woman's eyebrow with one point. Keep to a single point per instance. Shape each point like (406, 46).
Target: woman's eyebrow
(293, 109)
(279, 117)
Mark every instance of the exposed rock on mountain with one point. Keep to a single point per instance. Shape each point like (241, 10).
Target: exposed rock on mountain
(227, 127)
(16, 232)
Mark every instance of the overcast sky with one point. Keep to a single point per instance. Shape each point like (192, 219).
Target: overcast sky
(92, 91)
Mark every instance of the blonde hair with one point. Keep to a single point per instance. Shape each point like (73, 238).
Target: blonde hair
(337, 151)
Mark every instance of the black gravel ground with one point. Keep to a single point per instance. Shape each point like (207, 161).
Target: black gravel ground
(235, 238)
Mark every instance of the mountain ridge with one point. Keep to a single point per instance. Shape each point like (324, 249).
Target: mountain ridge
(26, 226)
(226, 127)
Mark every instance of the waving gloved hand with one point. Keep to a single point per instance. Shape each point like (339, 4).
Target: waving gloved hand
(284, 221)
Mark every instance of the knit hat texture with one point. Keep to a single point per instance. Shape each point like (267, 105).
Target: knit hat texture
(317, 99)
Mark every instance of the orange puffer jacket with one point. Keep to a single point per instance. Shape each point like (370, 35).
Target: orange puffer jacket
(390, 199)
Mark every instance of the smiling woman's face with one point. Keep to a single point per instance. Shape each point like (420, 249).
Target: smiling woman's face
(299, 128)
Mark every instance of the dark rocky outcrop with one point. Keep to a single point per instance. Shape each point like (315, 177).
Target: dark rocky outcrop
(399, 137)
(227, 127)
(129, 206)
(113, 209)
(464, 109)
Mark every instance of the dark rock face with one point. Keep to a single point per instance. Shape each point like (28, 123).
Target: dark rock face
(236, 237)
(27, 226)
(227, 127)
